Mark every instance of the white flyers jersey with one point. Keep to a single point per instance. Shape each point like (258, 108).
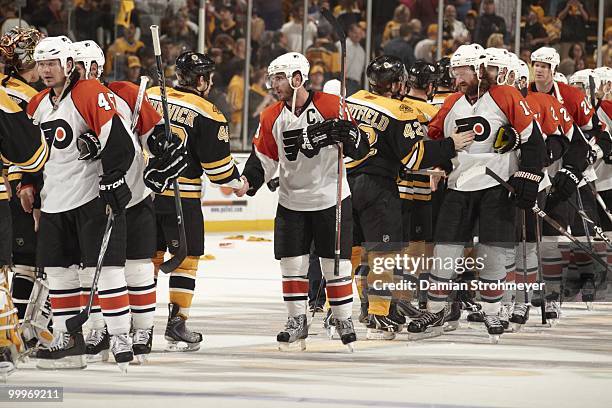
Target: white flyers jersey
(602, 169)
(69, 182)
(126, 96)
(499, 106)
(305, 184)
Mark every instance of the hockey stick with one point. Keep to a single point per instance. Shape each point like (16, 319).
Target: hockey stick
(586, 219)
(342, 36)
(141, 91)
(524, 239)
(76, 322)
(181, 253)
(601, 202)
(540, 272)
(540, 213)
(583, 215)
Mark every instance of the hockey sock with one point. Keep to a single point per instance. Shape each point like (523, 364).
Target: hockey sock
(141, 291)
(493, 273)
(114, 300)
(339, 288)
(441, 273)
(295, 283)
(95, 321)
(182, 284)
(64, 293)
(21, 288)
(553, 262)
(511, 269)
(532, 271)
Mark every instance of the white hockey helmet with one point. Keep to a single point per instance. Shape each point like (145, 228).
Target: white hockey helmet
(582, 78)
(88, 52)
(470, 55)
(51, 48)
(332, 87)
(523, 71)
(500, 58)
(289, 64)
(546, 55)
(514, 65)
(559, 77)
(604, 73)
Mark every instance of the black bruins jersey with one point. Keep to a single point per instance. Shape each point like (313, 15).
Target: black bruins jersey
(206, 132)
(395, 135)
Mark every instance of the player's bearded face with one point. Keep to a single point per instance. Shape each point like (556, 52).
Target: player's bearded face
(280, 85)
(51, 73)
(465, 79)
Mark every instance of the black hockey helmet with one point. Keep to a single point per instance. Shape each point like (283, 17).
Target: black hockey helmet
(421, 74)
(443, 71)
(191, 65)
(384, 71)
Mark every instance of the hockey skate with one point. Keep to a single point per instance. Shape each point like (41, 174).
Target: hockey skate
(504, 316)
(494, 327)
(427, 326)
(553, 312)
(8, 361)
(142, 341)
(67, 350)
(407, 310)
(121, 346)
(475, 320)
(588, 290)
(452, 314)
(520, 315)
(97, 345)
(295, 334)
(179, 337)
(346, 331)
(384, 327)
(467, 303)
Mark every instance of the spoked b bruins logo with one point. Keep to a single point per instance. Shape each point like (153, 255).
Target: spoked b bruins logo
(479, 125)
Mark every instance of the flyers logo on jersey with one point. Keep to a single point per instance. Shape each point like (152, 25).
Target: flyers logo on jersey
(58, 133)
(479, 125)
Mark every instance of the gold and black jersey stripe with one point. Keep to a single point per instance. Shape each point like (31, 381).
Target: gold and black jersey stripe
(18, 90)
(206, 132)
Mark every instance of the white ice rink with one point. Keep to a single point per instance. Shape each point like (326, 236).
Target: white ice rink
(238, 306)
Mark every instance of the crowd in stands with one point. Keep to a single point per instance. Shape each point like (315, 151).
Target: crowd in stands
(405, 28)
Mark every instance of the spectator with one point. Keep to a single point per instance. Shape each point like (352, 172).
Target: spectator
(133, 71)
(49, 19)
(400, 16)
(227, 25)
(316, 77)
(293, 30)
(324, 50)
(271, 12)
(124, 45)
(259, 99)
(506, 10)
(178, 30)
(458, 30)
(470, 21)
(11, 19)
(87, 19)
(489, 23)
(355, 59)
(573, 61)
(534, 34)
(606, 49)
(400, 46)
(574, 19)
(417, 31)
(424, 48)
(496, 40)
(235, 99)
(347, 13)
(274, 45)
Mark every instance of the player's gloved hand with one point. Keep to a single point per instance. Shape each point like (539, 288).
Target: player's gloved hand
(506, 140)
(114, 191)
(525, 183)
(565, 182)
(316, 136)
(158, 143)
(89, 146)
(345, 131)
(163, 169)
(603, 140)
(555, 148)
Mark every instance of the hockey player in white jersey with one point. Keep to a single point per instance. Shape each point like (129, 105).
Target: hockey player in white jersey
(484, 107)
(603, 168)
(75, 199)
(140, 214)
(298, 134)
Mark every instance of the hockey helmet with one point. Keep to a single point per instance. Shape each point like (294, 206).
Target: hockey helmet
(288, 64)
(546, 55)
(89, 52)
(581, 78)
(500, 58)
(421, 74)
(470, 55)
(443, 73)
(191, 65)
(523, 71)
(604, 73)
(17, 47)
(52, 48)
(559, 77)
(384, 71)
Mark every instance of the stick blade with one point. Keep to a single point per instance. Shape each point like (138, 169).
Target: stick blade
(174, 262)
(74, 323)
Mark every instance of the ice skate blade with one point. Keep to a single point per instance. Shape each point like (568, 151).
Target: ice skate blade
(430, 332)
(66, 363)
(331, 332)
(123, 367)
(6, 369)
(350, 347)
(376, 334)
(517, 327)
(589, 306)
(298, 345)
(100, 357)
(140, 359)
(494, 338)
(451, 326)
(475, 325)
(181, 346)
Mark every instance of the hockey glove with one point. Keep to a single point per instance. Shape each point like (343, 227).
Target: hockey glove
(162, 170)
(89, 146)
(115, 192)
(158, 144)
(316, 136)
(525, 183)
(345, 131)
(556, 146)
(603, 140)
(564, 183)
(507, 139)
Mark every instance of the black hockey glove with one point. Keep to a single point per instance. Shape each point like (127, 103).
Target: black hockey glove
(162, 170)
(89, 146)
(115, 192)
(564, 183)
(556, 146)
(158, 144)
(506, 140)
(603, 140)
(525, 183)
(316, 136)
(345, 131)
